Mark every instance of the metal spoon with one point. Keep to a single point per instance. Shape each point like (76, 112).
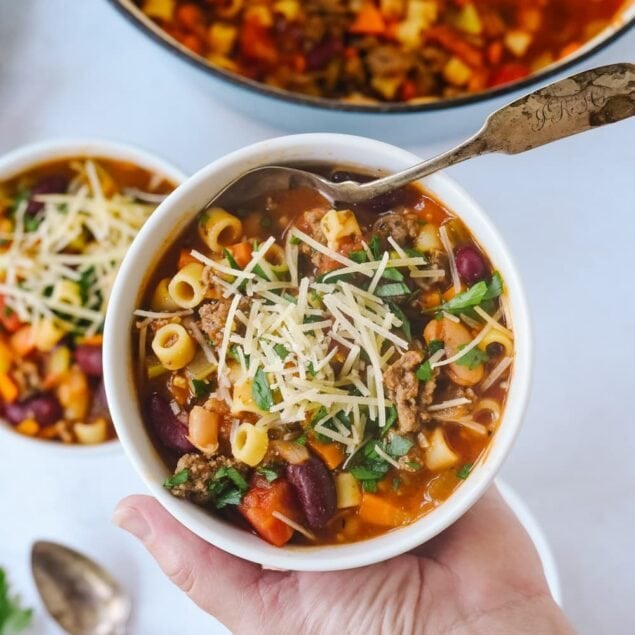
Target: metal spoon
(81, 596)
(576, 104)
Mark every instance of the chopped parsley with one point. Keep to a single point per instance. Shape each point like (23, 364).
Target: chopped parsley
(392, 289)
(261, 392)
(201, 388)
(464, 472)
(301, 440)
(294, 240)
(177, 479)
(435, 346)
(359, 256)
(375, 247)
(413, 465)
(227, 487)
(393, 274)
(405, 322)
(268, 472)
(399, 446)
(281, 351)
(477, 293)
(31, 223)
(472, 358)
(231, 260)
(424, 372)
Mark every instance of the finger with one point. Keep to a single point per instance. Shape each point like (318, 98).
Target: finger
(489, 537)
(217, 581)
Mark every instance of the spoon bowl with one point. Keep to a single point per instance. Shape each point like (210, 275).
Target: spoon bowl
(79, 594)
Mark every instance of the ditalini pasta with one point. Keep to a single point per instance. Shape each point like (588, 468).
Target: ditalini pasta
(328, 373)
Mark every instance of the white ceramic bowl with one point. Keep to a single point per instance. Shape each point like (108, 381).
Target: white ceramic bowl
(166, 224)
(31, 156)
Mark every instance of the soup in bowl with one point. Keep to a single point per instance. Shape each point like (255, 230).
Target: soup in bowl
(308, 377)
(68, 212)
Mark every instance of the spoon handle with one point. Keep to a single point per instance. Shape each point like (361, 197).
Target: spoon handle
(576, 104)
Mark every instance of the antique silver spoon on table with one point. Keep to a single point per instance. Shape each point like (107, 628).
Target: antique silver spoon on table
(80, 595)
(576, 104)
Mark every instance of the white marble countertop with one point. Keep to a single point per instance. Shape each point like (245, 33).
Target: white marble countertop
(76, 68)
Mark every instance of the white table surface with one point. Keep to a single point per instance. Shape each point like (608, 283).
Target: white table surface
(76, 68)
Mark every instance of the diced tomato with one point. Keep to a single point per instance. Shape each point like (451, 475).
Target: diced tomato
(508, 73)
(408, 90)
(369, 21)
(261, 501)
(256, 42)
(8, 317)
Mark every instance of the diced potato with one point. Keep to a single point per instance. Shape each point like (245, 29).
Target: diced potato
(517, 42)
(469, 21)
(428, 239)
(457, 72)
(260, 14)
(161, 9)
(67, 292)
(290, 9)
(348, 491)
(439, 455)
(426, 11)
(46, 335)
(91, 433)
(242, 398)
(74, 394)
(222, 37)
(387, 87)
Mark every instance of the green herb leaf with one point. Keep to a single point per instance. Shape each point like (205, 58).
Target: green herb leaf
(281, 351)
(391, 290)
(301, 440)
(231, 260)
(413, 465)
(362, 473)
(233, 475)
(13, 616)
(294, 240)
(495, 287)
(261, 392)
(399, 446)
(391, 418)
(268, 472)
(435, 346)
(393, 274)
(369, 486)
(472, 358)
(230, 496)
(375, 247)
(85, 282)
(464, 472)
(405, 322)
(177, 479)
(472, 297)
(31, 223)
(424, 372)
(201, 388)
(310, 370)
(359, 256)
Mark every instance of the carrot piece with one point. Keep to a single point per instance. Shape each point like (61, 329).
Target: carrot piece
(454, 42)
(431, 299)
(450, 293)
(330, 453)
(28, 427)
(8, 317)
(256, 42)
(92, 340)
(185, 258)
(190, 16)
(408, 90)
(495, 52)
(22, 341)
(375, 509)
(569, 49)
(8, 388)
(369, 21)
(241, 253)
(261, 501)
(508, 73)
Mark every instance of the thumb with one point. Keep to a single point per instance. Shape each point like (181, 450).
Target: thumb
(196, 567)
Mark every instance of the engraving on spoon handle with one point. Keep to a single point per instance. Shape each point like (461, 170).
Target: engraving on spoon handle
(588, 100)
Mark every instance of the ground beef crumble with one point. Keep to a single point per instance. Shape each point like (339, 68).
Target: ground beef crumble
(201, 470)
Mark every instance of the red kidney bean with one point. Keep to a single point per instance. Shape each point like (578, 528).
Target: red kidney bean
(167, 426)
(43, 407)
(321, 54)
(470, 264)
(315, 490)
(54, 184)
(89, 359)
